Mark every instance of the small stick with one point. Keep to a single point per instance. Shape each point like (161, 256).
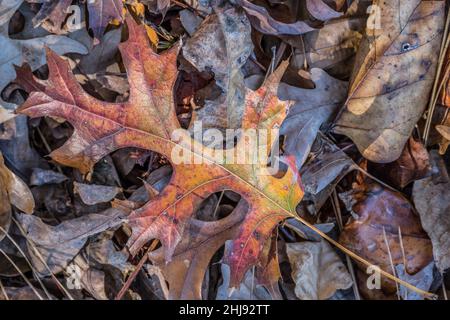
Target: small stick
(435, 91)
(21, 273)
(338, 213)
(390, 260)
(135, 272)
(3, 290)
(27, 260)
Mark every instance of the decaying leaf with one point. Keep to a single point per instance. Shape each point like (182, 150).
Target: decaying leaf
(312, 108)
(90, 279)
(92, 194)
(317, 270)
(379, 217)
(101, 13)
(40, 177)
(333, 44)
(13, 191)
(325, 167)
(444, 130)
(30, 51)
(263, 22)
(432, 201)
(222, 44)
(101, 128)
(202, 239)
(57, 245)
(422, 280)
(413, 164)
(54, 11)
(392, 77)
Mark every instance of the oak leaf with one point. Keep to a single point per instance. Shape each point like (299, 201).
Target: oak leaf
(147, 121)
(192, 256)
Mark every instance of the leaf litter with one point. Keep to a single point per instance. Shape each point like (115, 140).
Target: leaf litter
(353, 174)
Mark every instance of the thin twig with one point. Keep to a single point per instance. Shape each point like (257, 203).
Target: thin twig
(435, 91)
(27, 261)
(390, 260)
(360, 259)
(444, 290)
(376, 179)
(338, 213)
(400, 237)
(3, 290)
(39, 256)
(135, 272)
(21, 273)
(47, 147)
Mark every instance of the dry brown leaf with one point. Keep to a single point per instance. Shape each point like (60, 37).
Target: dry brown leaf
(444, 130)
(58, 245)
(264, 23)
(222, 44)
(92, 194)
(13, 191)
(374, 209)
(312, 109)
(432, 201)
(413, 164)
(317, 270)
(392, 77)
(337, 41)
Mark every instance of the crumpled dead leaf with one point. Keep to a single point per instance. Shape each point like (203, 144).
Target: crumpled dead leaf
(222, 44)
(30, 51)
(40, 177)
(317, 270)
(13, 191)
(248, 290)
(100, 265)
(324, 168)
(377, 210)
(413, 164)
(432, 200)
(52, 11)
(312, 108)
(264, 23)
(58, 245)
(92, 194)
